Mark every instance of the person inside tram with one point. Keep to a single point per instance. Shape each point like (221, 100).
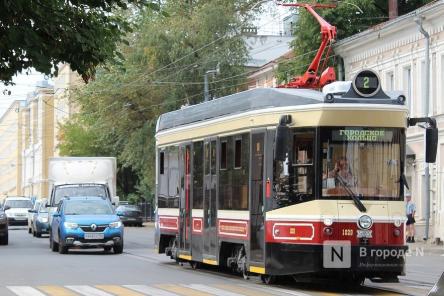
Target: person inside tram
(342, 170)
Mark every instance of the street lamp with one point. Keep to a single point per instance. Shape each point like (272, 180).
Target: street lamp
(206, 87)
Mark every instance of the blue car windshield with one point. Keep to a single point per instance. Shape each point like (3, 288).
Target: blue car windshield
(88, 207)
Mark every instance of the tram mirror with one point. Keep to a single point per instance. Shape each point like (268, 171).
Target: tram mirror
(431, 139)
(282, 142)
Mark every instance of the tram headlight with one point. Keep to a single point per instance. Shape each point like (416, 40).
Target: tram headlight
(328, 221)
(365, 222)
(398, 222)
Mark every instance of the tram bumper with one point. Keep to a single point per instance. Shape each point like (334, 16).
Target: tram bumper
(383, 262)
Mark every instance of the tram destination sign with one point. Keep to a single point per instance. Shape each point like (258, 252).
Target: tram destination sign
(362, 135)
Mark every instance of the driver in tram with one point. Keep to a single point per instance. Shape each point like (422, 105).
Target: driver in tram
(342, 170)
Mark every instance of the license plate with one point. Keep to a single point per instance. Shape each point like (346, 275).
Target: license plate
(364, 234)
(94, 236)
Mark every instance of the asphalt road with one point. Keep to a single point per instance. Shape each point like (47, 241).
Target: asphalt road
(29, 268)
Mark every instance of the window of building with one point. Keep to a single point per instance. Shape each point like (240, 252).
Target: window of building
(390, 81)
(407, 87)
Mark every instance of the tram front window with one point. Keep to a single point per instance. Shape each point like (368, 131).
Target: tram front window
(366, 160)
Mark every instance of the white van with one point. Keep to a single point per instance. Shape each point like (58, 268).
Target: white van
(16, 209)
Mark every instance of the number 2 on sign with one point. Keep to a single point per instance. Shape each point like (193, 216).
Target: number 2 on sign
(366, 82)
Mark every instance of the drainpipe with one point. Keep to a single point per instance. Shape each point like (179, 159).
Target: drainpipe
(426, 189)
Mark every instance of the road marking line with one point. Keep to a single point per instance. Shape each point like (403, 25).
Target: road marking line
(25, 291)
(212, 290)
(56, 291)
(180, 290)
(88, 291)
(149, 290)
(118, 290)
(243, 290)
(280, 290)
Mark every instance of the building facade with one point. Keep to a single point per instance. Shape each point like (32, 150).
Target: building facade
(46, 110)
(37, 141)
(10, 151)
(396, 51)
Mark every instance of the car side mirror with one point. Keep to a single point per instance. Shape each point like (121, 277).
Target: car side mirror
(6, 208)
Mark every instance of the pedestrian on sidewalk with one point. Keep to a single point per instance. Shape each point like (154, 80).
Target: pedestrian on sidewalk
(410, 209)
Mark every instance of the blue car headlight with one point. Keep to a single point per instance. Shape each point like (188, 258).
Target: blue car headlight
(70, 225)
(116, 224)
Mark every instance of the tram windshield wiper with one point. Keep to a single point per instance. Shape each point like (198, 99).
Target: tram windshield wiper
(358, 203)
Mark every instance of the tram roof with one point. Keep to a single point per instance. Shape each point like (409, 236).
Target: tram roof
(254, 99)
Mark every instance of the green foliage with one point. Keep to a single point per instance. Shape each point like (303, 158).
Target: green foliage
(163, 68)
(42, 34)
(348, 20)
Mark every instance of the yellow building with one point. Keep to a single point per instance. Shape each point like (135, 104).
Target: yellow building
(37, 123)
(46, 109)
(10, 151)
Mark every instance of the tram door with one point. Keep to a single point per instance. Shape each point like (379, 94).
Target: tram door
(210, 206)
(184, 203)
(257, 196)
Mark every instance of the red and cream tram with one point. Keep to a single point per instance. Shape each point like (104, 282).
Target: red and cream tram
(265, 180)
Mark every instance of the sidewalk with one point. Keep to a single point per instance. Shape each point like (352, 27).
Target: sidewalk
(427, 246)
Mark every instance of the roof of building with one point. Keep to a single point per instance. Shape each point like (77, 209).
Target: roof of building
(394, 23)
(263, 49)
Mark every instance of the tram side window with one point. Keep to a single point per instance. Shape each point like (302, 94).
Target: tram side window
(294, 177)
(233, 181)
(174, 177)
(238, 153)
(198, 161)
(225, 174)
(162, 162)
(163, 179)
(303, 162)
(241, 172)
(223, 155)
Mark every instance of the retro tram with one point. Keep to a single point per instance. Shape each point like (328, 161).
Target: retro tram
(269, 181)
(261, 180)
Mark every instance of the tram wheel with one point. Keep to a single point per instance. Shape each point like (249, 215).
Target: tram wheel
(194, 264)
(268, 279)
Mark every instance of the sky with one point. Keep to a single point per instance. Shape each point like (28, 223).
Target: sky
(24, 85)
(268, 23)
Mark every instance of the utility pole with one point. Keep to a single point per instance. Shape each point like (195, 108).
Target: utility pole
(426, 189)
(206, 86)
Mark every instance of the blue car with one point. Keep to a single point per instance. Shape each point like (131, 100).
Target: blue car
(86, 222)
(39, 219)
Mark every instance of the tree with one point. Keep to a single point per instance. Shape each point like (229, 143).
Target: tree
(43, 33)
(348, 20)
(163, 70)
